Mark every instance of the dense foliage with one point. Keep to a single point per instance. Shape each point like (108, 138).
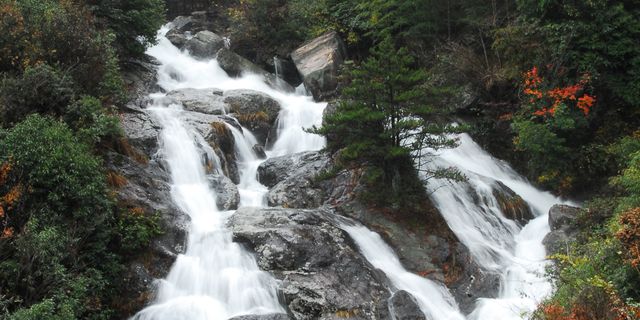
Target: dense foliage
(63, 239)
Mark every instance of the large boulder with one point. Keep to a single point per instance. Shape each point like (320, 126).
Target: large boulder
(562, 217)
(183, 24)
(235, 66)
(227, 194)
(292, 179)
(563, 229)
(318, 62)
(177, 38)
(278, 169)
(204, 45)
(254, 110)
(208, 101)
(322, 276)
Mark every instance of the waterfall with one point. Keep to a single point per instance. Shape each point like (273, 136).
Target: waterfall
(497, 244)
(434, 299)
(216, 278)
(276, 66)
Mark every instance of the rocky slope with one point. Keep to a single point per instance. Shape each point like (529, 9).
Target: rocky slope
(322, 273)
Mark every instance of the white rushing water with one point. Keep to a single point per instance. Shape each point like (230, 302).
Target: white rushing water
(497, 244)
(216, 278)
(434, 299)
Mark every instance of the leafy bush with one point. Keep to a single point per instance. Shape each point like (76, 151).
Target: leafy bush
(41, 89)
(134, 22)
(55, 204)
(61, 34)
(89, 119)
(136, 228)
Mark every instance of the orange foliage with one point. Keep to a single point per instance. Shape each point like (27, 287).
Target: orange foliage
(136, 211)
(554, 312)
(12, 196)
(555, 96)
(116, 180)
(5, 169)
(629, 235)
(7, 233)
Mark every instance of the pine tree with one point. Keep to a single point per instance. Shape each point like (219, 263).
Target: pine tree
(384, 116)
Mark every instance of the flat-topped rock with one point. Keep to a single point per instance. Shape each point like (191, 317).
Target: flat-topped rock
(208, 101)
(254, 110)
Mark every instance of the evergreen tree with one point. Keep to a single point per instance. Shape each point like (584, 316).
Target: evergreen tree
(384, 118)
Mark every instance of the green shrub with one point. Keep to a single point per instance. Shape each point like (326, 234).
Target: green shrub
(40, 89)
(134, 22)
(89, 119)
(136, 228)
(62, 34)
(58, 211)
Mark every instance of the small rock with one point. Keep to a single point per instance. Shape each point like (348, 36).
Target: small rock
(227, 194)
(259, 151)
(563, 231)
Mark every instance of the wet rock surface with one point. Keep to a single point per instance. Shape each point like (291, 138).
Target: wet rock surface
(236, 65)
(254, 110)
(512, 205)
(208, 101)
(145, 188)
(141, 129)
(227, 194)
(205, 44)
(293, 179)
(403, 306)
(322, 276)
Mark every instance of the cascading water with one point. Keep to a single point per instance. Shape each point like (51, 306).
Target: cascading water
(496, 243)
(434, 299)
(216, 278)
